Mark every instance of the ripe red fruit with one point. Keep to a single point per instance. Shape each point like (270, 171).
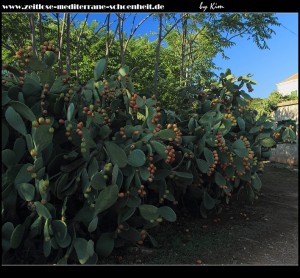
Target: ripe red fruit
(80, 125)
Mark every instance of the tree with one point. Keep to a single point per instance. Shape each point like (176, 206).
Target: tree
(182, 55)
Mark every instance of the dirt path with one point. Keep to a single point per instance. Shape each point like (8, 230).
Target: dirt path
(278, 235)
(265, 233)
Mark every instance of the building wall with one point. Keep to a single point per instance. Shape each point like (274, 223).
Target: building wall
(285, 88)
(286, 153)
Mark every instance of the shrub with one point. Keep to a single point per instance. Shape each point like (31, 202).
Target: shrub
(86, 169)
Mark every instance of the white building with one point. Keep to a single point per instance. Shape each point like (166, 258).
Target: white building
(288, 85)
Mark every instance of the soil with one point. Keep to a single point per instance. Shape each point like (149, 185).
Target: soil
(265, 233)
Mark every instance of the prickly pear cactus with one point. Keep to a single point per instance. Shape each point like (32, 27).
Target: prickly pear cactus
(85, 169)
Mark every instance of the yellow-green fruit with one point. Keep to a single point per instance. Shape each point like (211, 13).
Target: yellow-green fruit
(51, 129)
(30, 169)
(33, 152)
(41, 120)
(35, 124)
(46, 183)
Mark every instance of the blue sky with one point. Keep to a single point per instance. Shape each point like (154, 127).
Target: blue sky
(267, 66)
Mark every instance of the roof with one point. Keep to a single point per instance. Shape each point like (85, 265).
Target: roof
(293, 77)
(288, 103)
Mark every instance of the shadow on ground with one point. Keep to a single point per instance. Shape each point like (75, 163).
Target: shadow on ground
(265, 233)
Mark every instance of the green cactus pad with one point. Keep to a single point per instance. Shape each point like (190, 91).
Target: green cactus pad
(15, 121)
(35, 64)
(31, 87)
(7, 230)
(26, 191)
(208, 201)
(98, 181)
(208, 156)
(267, 142)
(42, 138)
(105, 244)
(106, 198)
(203, 165)
(219, 179)
(81, 248)
(160, 148)
(17, 236)
(23, 110)
(167, 213)
(149, 212)
(8, 158)
(165, 134)
(93, 225)
(116, 154)
(5, 135)
(136, 158)
(50, 58)
(42, 210)
(99, 68)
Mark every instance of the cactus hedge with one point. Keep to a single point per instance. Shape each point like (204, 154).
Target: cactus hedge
(89, 168)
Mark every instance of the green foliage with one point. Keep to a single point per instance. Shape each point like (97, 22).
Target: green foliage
(186, 57)
(99, 168)
(269, 104)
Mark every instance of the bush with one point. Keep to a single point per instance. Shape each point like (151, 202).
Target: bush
(87, 169)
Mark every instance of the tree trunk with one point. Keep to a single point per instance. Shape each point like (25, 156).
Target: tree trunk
(183, 46)
(33, 34)
(189, 67)
(121, 38)
(68, 50)
(41, 33)
(107, 46)
(78, 47)
(157, 55)
(60, 41)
